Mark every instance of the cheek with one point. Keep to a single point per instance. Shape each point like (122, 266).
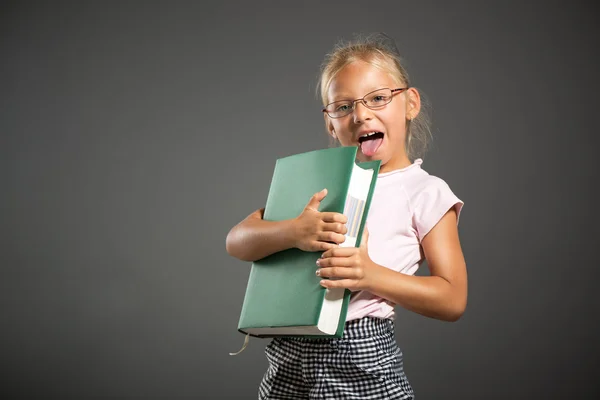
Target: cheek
(342, 133)
(397, 110)
(395, 118)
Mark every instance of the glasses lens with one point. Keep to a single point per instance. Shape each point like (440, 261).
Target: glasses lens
(339, 108)
(378, 98)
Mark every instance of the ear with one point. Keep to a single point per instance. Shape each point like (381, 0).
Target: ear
(329, 126)
(413, 103)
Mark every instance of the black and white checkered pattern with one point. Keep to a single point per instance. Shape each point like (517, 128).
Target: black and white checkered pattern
(366, 363)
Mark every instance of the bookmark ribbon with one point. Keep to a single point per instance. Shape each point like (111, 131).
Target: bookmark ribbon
(246, 341)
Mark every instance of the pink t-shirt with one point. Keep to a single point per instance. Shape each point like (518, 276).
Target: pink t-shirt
(407, 203)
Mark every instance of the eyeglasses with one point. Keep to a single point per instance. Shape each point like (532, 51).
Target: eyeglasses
(373, 100)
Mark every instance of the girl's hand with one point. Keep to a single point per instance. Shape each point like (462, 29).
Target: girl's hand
(350, 267)
(319, 231)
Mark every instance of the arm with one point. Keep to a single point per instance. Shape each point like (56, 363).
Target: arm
(254, 238)
(443, 295)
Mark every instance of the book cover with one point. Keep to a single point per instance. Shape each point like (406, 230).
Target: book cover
(283, 296)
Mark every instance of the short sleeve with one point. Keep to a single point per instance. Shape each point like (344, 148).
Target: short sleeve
(432, 203)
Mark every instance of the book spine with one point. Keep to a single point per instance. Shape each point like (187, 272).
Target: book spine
(372, 167)
(359, 191)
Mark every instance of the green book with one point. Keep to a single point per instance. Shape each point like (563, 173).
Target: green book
(283, 296)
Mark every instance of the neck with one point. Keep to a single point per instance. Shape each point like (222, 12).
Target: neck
(393, 165)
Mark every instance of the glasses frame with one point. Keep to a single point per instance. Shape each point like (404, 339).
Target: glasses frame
(362, 100)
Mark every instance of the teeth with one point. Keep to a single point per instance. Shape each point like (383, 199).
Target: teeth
(368, 134)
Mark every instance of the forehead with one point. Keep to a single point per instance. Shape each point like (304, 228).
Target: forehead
(357, 79)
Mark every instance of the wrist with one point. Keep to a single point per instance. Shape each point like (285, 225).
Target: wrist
(372, 276)
(289, 233)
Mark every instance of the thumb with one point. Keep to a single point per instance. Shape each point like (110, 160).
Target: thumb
(316, 199)
(365, 238)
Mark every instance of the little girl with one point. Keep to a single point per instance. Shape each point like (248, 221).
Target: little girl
(368, 102)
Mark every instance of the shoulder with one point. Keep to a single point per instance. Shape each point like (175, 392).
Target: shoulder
(427, 186)
(420, 185)
(422, 190)
(430, 197)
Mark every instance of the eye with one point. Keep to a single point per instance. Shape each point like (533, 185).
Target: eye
(379, 98)
(342, 107)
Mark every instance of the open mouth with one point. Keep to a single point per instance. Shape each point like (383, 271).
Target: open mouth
(370, 142)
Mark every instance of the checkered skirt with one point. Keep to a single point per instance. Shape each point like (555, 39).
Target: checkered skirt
(366, 363)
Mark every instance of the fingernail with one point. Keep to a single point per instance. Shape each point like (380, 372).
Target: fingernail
(318, 262)
(318, 272)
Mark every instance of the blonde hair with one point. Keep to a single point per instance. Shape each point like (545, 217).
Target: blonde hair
(380, 51)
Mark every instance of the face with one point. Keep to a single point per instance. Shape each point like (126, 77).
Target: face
(389, 122)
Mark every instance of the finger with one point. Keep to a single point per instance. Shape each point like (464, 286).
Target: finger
(335, 227)
(322, 246)
(365, 238)
(337, 273)
(332, 262)
(339, 283)
(316, 199)
(339, 252)
(331, 237)
(334, 217)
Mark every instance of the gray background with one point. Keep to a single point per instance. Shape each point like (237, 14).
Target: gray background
(134, 136)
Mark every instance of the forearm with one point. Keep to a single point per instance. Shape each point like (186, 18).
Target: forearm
(431, 296)
(253, 239)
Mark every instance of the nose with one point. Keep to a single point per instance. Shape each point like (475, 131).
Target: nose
(361, 112)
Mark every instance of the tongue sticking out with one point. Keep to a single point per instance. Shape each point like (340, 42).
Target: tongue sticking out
(369, 147)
